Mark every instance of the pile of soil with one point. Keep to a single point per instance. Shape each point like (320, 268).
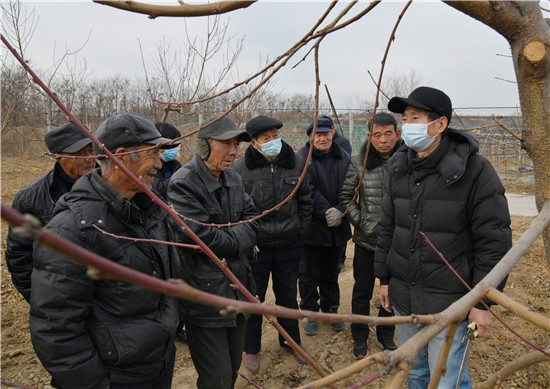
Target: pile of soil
(528, 284)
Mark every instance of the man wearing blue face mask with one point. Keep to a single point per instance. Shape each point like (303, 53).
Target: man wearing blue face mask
(440, 186)
(270, 172)
(170, 163)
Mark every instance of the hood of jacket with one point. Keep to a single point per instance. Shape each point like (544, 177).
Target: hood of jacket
(253, 159)
(449, 158)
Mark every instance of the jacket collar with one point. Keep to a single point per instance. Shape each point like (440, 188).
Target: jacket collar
(449, 158)
(334, 152)
(92, 198)
(59, 183)
(208, 178)
(253, 159)
(375, 159)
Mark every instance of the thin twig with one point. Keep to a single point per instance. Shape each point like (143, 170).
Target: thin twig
(188, 246)
(250, 382)
(376, 84)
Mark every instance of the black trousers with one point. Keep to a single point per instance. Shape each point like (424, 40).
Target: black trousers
(216, 353)
(319, 278)
(363, 273)
(283, 264)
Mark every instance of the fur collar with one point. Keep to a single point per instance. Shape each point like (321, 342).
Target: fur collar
(254, 159)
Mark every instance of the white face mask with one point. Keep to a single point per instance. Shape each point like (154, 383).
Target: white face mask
(271, 148)
(415, 135)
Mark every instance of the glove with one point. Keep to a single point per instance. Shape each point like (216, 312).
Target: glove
(333, 217)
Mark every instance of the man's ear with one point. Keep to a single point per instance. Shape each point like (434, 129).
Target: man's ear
(256, 145)
(444, 122)
(122, 158)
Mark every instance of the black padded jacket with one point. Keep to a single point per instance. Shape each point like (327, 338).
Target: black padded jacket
(89, 333)
(196, 194)
(455, 197)
(269, 183)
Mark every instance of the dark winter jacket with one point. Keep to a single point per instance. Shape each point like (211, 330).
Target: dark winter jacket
(162, 179)
(195, 193)
(326, 172)
(38, 199)
(269, 184)
(364, 212)
(455, 197)
(89, 333)
(342, 141)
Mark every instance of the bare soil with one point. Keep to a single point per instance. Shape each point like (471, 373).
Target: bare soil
(528, 284)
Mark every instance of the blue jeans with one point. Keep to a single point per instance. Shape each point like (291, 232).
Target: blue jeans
(424, 365)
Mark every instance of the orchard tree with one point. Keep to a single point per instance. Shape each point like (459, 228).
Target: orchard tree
(528, 33)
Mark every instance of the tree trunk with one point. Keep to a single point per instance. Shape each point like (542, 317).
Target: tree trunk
(528, 33)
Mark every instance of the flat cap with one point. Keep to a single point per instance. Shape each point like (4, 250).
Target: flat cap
(323, 125)
(223, 129)
(426, 98)
(262, 123)
(67, 138)
(129, 129)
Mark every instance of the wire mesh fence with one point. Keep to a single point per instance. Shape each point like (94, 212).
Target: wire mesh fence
(496, 143)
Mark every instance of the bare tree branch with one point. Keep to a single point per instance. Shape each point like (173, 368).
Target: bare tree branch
(187, 10)
(443, 354)
(519, 309)
(496, 379)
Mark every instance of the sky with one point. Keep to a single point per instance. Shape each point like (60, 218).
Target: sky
(447, 49)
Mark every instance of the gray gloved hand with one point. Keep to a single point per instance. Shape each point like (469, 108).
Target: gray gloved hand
(333, 217)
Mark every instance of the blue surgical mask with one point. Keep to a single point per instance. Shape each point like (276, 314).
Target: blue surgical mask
(415, 135)
(170, 154)
(271, 148)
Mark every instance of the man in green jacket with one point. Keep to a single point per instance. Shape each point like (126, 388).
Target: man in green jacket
(363, 215)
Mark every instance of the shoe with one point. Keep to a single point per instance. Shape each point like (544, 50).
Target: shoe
(311, 328)
(386, 344)
(252, 362)
(360, 348)
(298, 357)
(338, 326)
(181, 337)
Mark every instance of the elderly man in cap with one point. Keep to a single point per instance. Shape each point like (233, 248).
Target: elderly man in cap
(440, 186)
(39, 197)
(206, 191)
(97, 333)
(329, 232)
(340, 140)
(270, 172)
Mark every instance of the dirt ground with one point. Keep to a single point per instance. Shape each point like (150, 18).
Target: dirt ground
(528, 284)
